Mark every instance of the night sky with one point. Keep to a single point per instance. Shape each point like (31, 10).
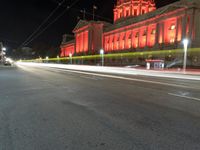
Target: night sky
(19, 18)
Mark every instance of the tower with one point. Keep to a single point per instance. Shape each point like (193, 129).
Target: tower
(132, 8)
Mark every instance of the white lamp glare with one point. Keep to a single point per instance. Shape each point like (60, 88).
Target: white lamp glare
(4, 49)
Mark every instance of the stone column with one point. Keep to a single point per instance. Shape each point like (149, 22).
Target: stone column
(177, 28)
(184, 22)
(90, 40)
(147, 34)
(157, 35)
(191, 25)
(163, 32)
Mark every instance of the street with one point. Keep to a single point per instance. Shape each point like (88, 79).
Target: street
(55, 109)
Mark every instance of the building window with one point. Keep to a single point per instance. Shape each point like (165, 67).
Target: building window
(127, 13)
(122, 40)
(106, 43)
(143, 11)
(135, 12)
(137, 35)
(128, 40)
(151, 38)
(172, 40)
(142, 40)
(116, 42)
(172, 27)
(172, 33)
(145, 33)
(119, 13)
(135, 40)
(153, 31)
(111, 43)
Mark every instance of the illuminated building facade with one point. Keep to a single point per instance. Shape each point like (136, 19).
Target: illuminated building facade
(138, 26)
(88, 38)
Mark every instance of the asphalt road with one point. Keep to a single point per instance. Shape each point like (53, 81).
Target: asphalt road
(49, 109)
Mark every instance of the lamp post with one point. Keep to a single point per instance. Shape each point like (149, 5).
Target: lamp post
(70, 56)
(58, 59)
(47, 59)
(4, 49)
(102, 57)
(185, 44)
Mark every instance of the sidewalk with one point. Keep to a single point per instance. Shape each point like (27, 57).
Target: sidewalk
(175, 71)
(188, 71)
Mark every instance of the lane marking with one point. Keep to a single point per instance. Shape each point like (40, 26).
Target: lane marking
(183, 96)
(88, 77)
(125, 78)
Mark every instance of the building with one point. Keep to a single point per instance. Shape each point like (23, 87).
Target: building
(138, 26)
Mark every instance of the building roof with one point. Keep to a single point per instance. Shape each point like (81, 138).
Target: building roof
(183, 4)
(68, 42)
(83, 23)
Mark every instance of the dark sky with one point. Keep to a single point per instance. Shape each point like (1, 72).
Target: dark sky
(19, 18)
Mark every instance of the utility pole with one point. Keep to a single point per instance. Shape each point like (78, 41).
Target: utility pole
(94, 8)
(84, 14)
(185, 43)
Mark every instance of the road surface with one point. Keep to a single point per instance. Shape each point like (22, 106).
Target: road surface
(51, 109)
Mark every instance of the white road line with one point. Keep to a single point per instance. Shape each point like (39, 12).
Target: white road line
(187, 97)
(125, 78)
(88, 77)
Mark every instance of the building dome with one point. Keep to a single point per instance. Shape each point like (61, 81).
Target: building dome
(128, 8)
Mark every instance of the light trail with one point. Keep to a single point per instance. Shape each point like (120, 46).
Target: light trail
(115, 70)
(112, 72)
(186, 97)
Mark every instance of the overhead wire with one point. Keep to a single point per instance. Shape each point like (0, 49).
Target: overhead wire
(47, 26)
(43, 23)
(88, 13)
(8, 40)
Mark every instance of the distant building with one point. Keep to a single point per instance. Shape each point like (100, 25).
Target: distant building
(138, 26)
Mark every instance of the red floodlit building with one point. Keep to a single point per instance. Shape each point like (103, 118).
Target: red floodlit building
(138, 26)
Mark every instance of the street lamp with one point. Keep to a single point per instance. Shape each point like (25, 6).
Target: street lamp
(185, 44)
(70, 56)
(102, 56)
(4, 49)
(58, 59)
(47, 58)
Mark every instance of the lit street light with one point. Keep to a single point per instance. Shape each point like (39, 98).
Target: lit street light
(4, 49)
(47, 58)
(70, 56)
(185, 43)
(102, 56)
(58, 59)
